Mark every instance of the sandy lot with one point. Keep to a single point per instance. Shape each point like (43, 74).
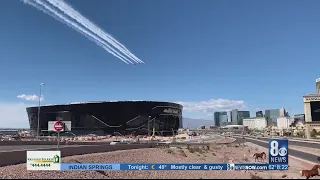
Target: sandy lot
(216, 154)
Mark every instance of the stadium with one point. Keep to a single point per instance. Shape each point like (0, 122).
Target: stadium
(111, 118)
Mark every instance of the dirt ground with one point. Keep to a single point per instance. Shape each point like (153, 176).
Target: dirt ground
(216, 155)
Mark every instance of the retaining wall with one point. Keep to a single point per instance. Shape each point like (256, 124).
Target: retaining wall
(18, 157)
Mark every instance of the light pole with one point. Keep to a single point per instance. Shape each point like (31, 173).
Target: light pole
(149, 126)
(154, 128)
(38, 127)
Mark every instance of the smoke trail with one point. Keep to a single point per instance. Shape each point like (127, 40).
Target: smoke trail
(68, 10)
(94, 28)
(52, 12)
(78, 28)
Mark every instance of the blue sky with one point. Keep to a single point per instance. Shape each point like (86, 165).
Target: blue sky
(210, 55)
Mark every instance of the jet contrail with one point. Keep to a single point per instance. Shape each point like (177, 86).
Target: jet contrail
(50, 11)
(44, 7)
(64, 20)
(69, 11)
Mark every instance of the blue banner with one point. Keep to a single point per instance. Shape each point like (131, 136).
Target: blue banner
(173, 167)
(89, 167)
(166, 167)
(258, 167)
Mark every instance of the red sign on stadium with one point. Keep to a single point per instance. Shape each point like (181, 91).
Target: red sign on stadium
(58, 126)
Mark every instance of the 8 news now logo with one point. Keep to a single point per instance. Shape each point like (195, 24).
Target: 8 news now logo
(278, 151)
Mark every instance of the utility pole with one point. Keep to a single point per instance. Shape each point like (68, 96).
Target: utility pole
(38, 127)
(154, 127)
(149, 126)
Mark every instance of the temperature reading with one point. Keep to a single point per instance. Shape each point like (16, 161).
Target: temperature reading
(162, 166)
(271, 167)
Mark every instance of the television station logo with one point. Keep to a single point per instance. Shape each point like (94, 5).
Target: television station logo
(278, 151)
(230, 166)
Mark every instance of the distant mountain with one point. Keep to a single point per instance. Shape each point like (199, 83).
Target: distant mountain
(195, 123)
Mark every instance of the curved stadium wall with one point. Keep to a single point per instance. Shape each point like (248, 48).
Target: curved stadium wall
(123, 117)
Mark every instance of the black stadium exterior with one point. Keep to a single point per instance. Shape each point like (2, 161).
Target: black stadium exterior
(112, 118)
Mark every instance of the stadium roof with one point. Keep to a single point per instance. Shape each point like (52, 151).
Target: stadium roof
(93, 102)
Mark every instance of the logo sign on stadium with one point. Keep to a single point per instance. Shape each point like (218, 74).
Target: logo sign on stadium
(172, 111)
(43, 160)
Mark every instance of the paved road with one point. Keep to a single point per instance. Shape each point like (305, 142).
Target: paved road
(299, 154)
(26, 147)
(204, 139)
(295, 143)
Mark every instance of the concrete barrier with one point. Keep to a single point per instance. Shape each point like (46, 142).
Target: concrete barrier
(18, 157)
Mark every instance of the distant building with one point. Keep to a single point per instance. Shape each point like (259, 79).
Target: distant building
(238, 116)
(271, 115)
(312, 110)
(255, 123)
(234, 117)
(216, 119)
(221, 119)
(299, 120)
(284, 122)
(259, 114)
(283, 112)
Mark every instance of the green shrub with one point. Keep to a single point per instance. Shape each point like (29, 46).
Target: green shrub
(170, 151)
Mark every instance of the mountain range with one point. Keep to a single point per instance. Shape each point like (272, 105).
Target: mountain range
(195, 123)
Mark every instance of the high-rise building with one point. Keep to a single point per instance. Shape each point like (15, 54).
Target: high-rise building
(259, 114)
(220, 119)
(283, 112)
(242, 115)
(238, 116)
(234, 117)
(271, 116)
(318, 85)
(216, 119)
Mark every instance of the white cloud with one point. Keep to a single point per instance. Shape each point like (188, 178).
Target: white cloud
(30, 97)
(14, 115)
(212, 105)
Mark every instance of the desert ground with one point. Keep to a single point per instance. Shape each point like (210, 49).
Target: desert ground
(218, 153)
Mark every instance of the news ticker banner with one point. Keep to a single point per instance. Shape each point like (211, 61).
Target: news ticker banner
(51, 160)
(159, 167)
(166, 167)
